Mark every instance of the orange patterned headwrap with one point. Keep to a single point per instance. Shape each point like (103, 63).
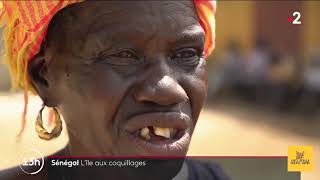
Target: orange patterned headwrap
(25, 26)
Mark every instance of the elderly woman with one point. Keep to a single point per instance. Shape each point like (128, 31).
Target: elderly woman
(129, 78)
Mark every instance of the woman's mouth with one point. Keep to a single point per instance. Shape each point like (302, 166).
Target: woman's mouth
(153, 133)
(159, 133)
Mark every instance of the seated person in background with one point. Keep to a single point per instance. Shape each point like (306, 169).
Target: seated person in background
(129, 78)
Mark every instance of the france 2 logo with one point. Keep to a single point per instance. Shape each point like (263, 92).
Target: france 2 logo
(296, 18)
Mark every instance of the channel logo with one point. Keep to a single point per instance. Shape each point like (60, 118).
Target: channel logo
(300, 158)
(31, 163)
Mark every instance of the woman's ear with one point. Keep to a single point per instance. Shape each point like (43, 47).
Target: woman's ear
(38, 73)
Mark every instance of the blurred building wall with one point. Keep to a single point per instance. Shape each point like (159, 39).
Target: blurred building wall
(234, 22)
(244, 21)
(4, 73)
(4, 78)
(271, 25)
(312, 25)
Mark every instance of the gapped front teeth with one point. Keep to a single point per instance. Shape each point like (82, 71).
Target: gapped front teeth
(164, 132)
(145, 133)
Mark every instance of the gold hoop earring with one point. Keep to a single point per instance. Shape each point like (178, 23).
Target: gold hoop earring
(42, 132)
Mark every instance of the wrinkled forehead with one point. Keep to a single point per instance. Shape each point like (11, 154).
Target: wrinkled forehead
(126, 19)
(127, 11)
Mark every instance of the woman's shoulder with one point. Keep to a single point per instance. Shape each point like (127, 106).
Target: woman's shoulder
(205, 170)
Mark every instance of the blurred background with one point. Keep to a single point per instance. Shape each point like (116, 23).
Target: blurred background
(262, 58)
(264, 89)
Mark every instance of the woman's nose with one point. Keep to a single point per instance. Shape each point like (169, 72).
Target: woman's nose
(162, 91)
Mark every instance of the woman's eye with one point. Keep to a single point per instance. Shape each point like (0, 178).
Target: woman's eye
(186, 56)
(121, 58)
(125, 54)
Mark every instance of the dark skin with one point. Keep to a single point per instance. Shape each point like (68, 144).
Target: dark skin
(104, 62)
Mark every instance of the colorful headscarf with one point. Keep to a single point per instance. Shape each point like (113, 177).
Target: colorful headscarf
(25, 25)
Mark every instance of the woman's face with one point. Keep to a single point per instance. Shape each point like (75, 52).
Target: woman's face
(129, 78)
